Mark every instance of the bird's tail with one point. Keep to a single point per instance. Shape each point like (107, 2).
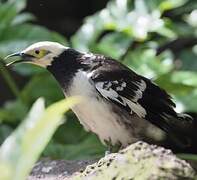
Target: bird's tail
(183, 130)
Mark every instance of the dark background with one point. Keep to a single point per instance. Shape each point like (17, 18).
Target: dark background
(63, 16)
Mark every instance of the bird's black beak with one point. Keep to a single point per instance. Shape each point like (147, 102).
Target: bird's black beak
(24, 58)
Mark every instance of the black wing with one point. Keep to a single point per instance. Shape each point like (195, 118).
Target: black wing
(118, 83)
(135, 93)
(139, 95)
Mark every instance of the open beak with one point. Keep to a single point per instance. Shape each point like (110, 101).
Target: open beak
(24, 58)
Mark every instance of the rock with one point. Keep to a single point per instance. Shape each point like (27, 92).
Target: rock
(47, 169)
(138, 161)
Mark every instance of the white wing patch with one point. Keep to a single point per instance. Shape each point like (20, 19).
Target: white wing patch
(142, 86)
(110, 89)
(107, 92)
(136, 107)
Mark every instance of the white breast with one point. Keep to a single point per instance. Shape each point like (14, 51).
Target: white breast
(95, 114)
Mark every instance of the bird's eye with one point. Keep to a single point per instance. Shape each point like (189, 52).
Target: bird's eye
(37, 51)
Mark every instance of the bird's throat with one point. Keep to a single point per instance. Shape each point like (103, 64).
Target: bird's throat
(65, 66)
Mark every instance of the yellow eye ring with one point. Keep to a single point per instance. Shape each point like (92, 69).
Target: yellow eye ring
(39, 53)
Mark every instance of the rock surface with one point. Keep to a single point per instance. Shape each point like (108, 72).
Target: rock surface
(139, 161)
(48, 169)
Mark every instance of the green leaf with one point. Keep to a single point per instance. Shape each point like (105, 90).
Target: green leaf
(22, 18)
(191, 157)
(19, 4)
(186, 78)
(7, 13)
(22, 148)
(183, 85)
(170, 4)
(164, 5)
(46, 86)
(188, 60)
(88, 33)
(114, 45)
(89, 147)
(66, 133)
(188, 101)
(111, 18)
(13, 111)
(5, 131)
(145, 62)
(23, 35)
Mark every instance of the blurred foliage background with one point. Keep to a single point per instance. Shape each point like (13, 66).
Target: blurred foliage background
(156, 38)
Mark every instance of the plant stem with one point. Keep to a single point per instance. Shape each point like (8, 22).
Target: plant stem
(9, 80)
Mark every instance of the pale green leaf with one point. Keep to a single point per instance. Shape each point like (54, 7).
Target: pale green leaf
(22, 148)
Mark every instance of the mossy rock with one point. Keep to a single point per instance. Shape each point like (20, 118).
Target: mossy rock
(139, 161)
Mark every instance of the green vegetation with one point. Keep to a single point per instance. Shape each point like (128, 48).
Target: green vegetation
(23, 147)
(156, 38)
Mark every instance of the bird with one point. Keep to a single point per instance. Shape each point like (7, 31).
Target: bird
(120, 106)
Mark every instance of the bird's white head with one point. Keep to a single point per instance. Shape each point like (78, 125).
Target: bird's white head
(40, 53)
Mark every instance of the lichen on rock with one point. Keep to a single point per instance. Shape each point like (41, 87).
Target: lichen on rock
(139, 161)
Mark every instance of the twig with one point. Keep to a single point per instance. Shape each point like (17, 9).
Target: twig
(177, 45)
